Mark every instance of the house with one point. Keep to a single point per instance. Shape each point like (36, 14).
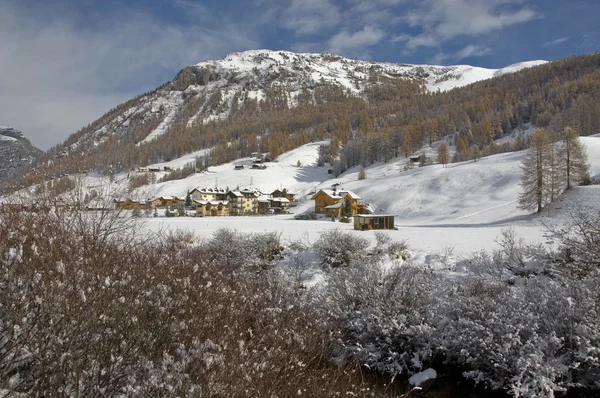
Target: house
(242, 202)
(125, 204)
(212, 208)
(331, 201)
(264, 204)
(168, 201)
(239, 167)
(279, 204)
(208, 194)
(283, 194)
(364, 222)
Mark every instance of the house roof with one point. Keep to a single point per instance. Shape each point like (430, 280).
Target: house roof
(338, 194)
(335, 205)
(282, 200)
(211, 202)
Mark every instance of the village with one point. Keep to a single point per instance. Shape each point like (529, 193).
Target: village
(333, 203)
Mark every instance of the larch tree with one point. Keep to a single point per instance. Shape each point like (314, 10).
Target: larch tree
(443, 155)
(576, 167)
(536, 167)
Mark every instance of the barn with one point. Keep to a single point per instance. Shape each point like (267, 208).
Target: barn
(364, 222)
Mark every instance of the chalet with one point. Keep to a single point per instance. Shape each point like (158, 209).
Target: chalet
(208, 194)
(364, 222)
(264, 204)
(125, 204)
(257, 166)
(332, 201)
(279, 204)
(238, 167)
(283, 194)
(211, 208)
(168, 201)
(415, 158)
(154, 169)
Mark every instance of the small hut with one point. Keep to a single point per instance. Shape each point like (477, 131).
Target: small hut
(364, 222)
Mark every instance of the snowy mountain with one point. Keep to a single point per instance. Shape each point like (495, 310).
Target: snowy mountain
(16, 153)
(212, 90)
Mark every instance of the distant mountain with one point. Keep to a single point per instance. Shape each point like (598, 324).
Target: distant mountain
(16, 153)
(213, 90)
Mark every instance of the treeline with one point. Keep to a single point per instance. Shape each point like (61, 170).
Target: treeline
(392, 117)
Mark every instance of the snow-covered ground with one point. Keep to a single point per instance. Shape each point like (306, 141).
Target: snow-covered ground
(464, 206)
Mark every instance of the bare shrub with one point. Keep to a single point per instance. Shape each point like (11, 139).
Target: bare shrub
(340, 249)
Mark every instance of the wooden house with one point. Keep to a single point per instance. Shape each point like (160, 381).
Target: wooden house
(126, 204)
(283, 194)
(332, 201)
(363, 222)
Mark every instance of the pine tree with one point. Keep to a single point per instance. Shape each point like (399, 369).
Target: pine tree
(535, 167)
(443, 155)
(188, 200)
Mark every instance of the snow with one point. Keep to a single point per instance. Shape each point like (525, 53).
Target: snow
(7, 138)
(518, 66)
(464, 206)
(420, 378)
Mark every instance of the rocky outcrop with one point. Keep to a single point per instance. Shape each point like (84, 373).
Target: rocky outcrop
(16, 153)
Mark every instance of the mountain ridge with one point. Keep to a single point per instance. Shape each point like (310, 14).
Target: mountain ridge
(212, 86)
(16, 153)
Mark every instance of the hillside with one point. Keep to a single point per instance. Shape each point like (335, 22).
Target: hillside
(273, 102)
(16, 153)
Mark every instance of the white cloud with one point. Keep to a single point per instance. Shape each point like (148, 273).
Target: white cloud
(466, 52)
(444, 20)
(355, 44)
(307, 17)
(57, 77)
(556, 42)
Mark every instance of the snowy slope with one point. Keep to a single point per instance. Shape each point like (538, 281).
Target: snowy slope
(463, 194)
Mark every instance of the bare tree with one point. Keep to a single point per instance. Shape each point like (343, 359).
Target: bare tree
(535, 166)
(443, 155)
(575, 158)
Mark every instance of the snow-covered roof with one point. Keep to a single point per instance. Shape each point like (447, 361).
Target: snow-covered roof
(335, 205)
(339, 194)
(282, 200)
(211, 202)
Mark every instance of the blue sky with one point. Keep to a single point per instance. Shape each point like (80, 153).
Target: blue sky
(66, 62)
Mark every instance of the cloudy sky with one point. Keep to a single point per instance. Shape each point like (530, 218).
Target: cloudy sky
(64, 63)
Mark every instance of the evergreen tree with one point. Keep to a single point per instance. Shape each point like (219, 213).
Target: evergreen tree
(535, 167)
(347, 211)
(443, 155)
(188, 200)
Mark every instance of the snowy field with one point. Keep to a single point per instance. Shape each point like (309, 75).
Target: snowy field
(464, 206)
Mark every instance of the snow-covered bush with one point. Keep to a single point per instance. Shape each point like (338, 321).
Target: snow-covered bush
(384, 315)
(154, 319)
(340, 249)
